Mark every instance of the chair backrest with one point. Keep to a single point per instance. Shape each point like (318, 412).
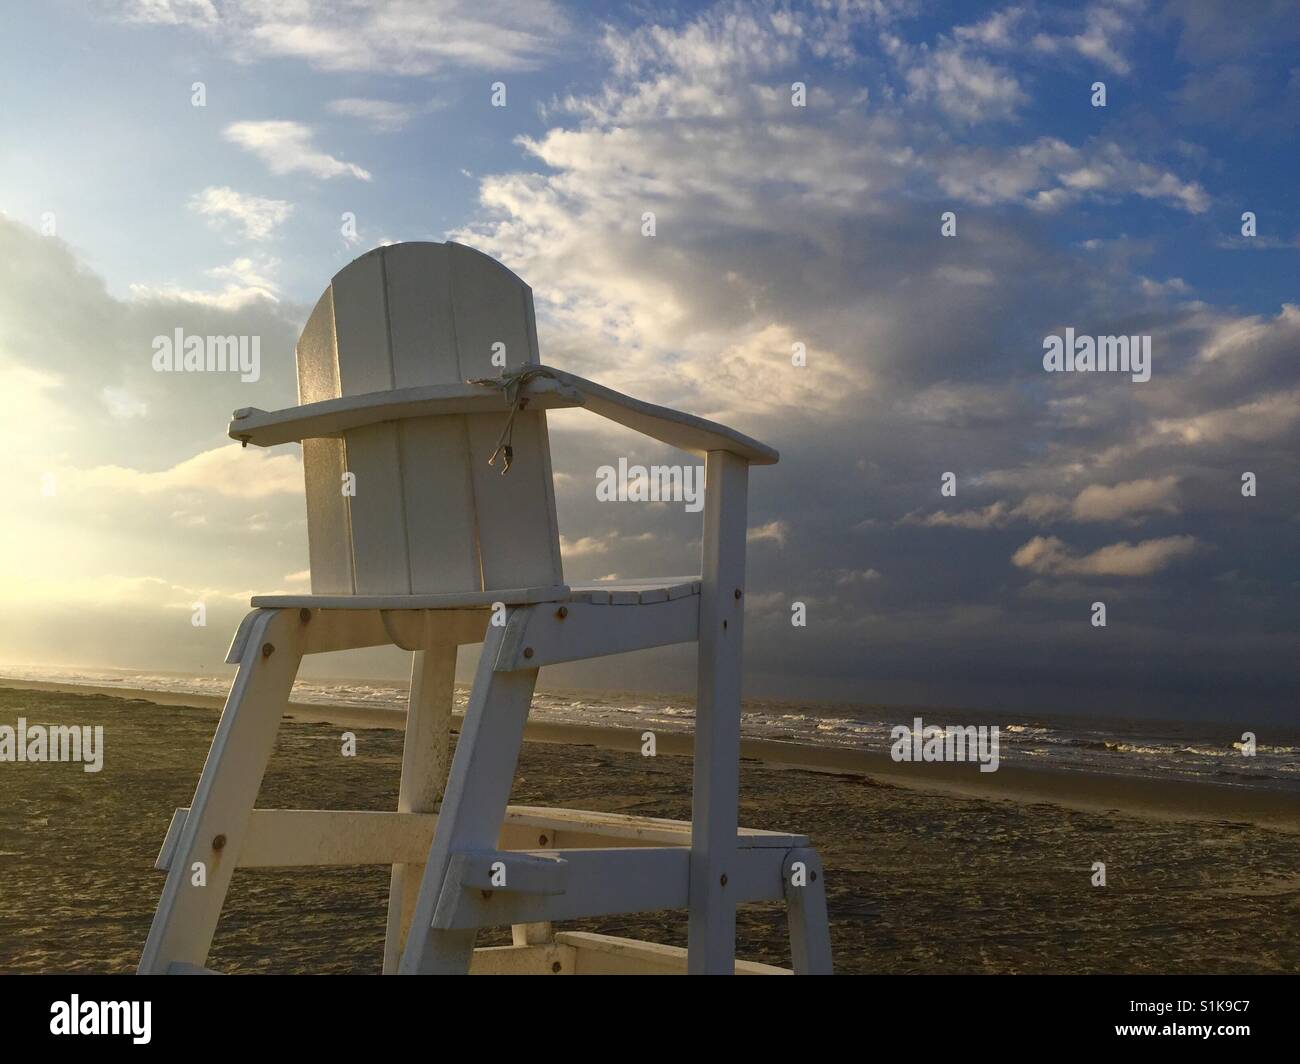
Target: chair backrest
(429, 514)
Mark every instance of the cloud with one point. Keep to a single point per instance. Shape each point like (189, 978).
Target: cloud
(1257, 421)
(231, 471)
(778, 226)
(1099, 502)
(122, 404)
(1036, 508)
(1048, 556)
(772, 532)
(965, 86)
(1104, 26)
(408, 37)
(996, 31)
(1096, 502)
(855, 577)
(107, 591)
(168, 12)
(1049, 174)
(383, 116)
(286, 147)
(584, 546)
(257, 218)
(1172, 286)
(248, 280)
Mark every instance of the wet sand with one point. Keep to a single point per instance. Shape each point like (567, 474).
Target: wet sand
(926, 872)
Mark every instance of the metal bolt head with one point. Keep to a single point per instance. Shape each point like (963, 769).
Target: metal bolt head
(528, 652)
(541, 840)
(267, 650)
(487, 894)
(562, 612)
(219, 842)
(557, 967)
(304, 615)
(739, 592)
(723, 880)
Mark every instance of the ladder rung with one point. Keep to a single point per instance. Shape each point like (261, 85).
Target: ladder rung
(512, 872)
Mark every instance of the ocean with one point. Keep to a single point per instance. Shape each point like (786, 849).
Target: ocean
(1191, 750)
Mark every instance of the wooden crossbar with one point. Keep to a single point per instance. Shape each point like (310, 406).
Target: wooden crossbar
(571, 953)
(303, 838)
(584, 953)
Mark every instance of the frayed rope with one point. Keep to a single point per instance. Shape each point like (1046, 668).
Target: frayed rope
(511, 384)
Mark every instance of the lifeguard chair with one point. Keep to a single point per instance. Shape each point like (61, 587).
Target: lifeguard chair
(397, 386)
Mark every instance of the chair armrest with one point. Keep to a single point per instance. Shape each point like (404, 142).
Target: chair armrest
(333, 417)
(550, 389)
(684, 431)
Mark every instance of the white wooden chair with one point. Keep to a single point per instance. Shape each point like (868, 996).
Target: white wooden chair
(433, 537)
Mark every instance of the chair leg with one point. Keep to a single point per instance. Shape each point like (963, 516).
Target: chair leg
(711, 939)
(805, 895)
(426, 754)
(474, 805)
(214, 830)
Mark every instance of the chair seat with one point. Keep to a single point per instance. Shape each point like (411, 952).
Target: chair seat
(600, 593)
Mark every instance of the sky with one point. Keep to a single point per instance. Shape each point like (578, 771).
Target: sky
(210, 165)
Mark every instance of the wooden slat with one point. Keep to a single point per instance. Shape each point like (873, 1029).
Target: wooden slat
(303, 838)
(606, 881)
(439, 506)
(510, 596)
(361, 326)
(217, 823)
(626, 827)
(165, 854)
(300, 838)
(474, 805)
(608, 955)
(426, 758)
(547, 958)
(810, 938)
(376, 514)
(673, 427)
(353, 629)
(540, 636)
(531, 872)
(420, 315)
(517, 528)
(715, 784)
(518, 534)
(570, 953)
(330, 418)
(329, 539)
(329, 532)
(647, 590)
(438, 494)
(602, 882)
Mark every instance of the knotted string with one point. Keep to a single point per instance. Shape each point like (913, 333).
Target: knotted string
(511, 384)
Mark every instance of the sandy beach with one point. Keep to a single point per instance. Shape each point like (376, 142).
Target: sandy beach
(929, 868)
